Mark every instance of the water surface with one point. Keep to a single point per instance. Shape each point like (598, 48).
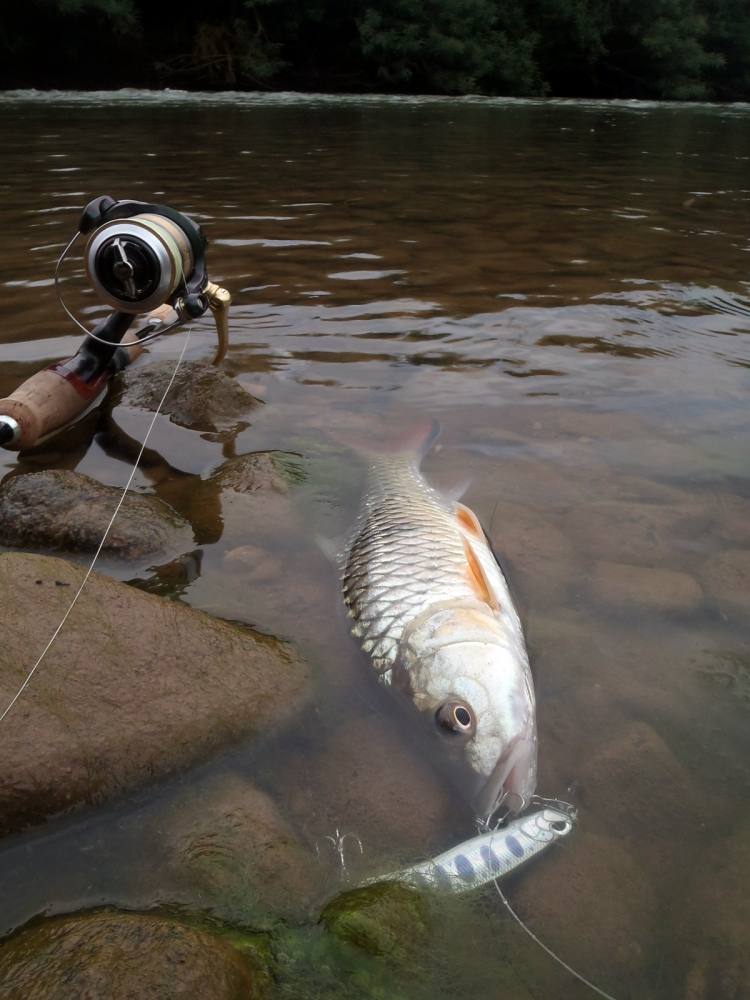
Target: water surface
(564, 286)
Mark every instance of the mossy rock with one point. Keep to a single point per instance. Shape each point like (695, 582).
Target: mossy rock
(123, 956)
(387, 920)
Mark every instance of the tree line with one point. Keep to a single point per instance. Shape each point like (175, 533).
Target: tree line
(666, 49)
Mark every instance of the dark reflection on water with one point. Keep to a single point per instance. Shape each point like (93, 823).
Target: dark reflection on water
(565, 287)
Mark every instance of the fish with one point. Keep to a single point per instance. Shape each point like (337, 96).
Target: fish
(492, 855)
(433, 610)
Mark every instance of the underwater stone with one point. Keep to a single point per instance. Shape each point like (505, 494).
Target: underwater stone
(276, 471)
(387, 920)
(121, 956)
(711, 916)
(134, 688)
(637, 588)
(202, 397)
(67, 511)
(727, 579)
(228, 840)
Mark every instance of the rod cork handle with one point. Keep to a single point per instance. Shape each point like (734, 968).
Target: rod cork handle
(44, 403)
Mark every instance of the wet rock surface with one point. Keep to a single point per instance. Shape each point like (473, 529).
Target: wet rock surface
(376, 788)
(202, 397)
(713, 916)
(274, 471)
(642, 588)
(727, 579)
(630, 532)
(135, 687)
(124, 956)
(64, 510)
(387, 920)
(537, 556)
(593, 904)
(636, 787)
(231, 843)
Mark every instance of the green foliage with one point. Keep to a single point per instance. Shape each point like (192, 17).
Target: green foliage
(677, 49)
(121, 14)
(447, 46)
(662, 48)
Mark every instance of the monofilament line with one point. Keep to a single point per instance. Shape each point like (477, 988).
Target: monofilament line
(107, 530)
(550, 952)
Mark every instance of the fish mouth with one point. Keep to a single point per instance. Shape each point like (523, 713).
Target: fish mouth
(512, 781)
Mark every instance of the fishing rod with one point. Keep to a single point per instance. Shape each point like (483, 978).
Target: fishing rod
(148, 263)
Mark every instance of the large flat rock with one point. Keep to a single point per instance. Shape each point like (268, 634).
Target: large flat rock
(124, 956)
(134, 688)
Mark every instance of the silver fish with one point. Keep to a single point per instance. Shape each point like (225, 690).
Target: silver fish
(431, 607)
(491, 855)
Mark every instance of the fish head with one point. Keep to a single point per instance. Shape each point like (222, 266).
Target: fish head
(480, 697)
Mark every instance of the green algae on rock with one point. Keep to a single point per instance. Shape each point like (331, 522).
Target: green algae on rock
(67, 511)
(387, 920)
(122, 956)
(134, 688)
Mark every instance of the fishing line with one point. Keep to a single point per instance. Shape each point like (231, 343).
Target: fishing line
(107, 530)
(550, 952)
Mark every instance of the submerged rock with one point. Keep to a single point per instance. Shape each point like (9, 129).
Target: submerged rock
(135, 687)
(231, 843)
(387, 920)
(636, 588)
(68, 511)
(727, 579)
(712, 916)
(202, 397)
(123, 956)
(274, 471)
(638, 790)
(367, 782)
(644, 533)
(593, 904)
(542, 561)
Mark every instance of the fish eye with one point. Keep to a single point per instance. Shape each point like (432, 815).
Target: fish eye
(455, 717)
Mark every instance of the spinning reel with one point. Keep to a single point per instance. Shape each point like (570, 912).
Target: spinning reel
(140, 259)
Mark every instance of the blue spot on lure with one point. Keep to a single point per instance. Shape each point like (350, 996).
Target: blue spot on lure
(490, 855)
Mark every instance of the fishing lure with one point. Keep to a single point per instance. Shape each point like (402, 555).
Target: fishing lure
(491, 855)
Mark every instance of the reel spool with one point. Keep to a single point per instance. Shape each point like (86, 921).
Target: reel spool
(137, 264)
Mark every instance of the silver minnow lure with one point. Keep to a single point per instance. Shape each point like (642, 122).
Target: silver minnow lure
(431, 607)
(492, 855)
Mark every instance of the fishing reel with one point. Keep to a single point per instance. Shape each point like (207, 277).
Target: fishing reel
(142, 256)
(141, 260)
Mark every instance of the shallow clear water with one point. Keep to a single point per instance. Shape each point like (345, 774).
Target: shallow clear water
(565, 287)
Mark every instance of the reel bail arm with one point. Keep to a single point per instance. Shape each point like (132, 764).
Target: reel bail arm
(140, 258)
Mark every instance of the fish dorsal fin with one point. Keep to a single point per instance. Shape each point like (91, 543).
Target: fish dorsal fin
(472, 535)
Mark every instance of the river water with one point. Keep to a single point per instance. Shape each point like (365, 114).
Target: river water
(565, 287)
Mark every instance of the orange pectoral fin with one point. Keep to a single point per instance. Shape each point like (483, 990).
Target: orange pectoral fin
(472, 532)
(469, 521)
(477, 579)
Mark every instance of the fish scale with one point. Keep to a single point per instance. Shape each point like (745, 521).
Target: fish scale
(404, 535)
